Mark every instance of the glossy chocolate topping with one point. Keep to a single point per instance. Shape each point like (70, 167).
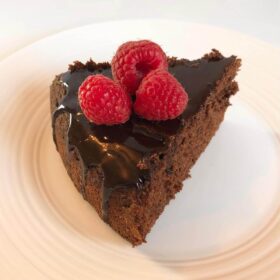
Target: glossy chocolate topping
(118, 150)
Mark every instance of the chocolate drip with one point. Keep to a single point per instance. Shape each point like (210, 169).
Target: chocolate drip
(119, 150)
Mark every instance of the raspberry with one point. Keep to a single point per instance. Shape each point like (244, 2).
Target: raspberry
(160, 97)
(135, 59)
(103, 101)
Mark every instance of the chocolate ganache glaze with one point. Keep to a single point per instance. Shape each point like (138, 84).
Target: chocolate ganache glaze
(117, 150)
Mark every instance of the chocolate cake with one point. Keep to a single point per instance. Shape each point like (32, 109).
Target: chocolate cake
(130, 172)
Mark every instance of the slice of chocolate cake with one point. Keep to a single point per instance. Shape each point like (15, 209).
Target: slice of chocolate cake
(129, 172)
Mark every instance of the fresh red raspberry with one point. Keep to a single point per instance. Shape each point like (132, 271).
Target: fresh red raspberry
(135, 59)
(103, 101)
(160, 97)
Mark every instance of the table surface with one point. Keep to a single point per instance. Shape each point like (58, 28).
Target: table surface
(24, 22)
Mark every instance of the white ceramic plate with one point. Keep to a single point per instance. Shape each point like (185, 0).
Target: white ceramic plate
(225, 224)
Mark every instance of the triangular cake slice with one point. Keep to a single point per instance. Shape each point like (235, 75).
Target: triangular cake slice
(130, 172)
